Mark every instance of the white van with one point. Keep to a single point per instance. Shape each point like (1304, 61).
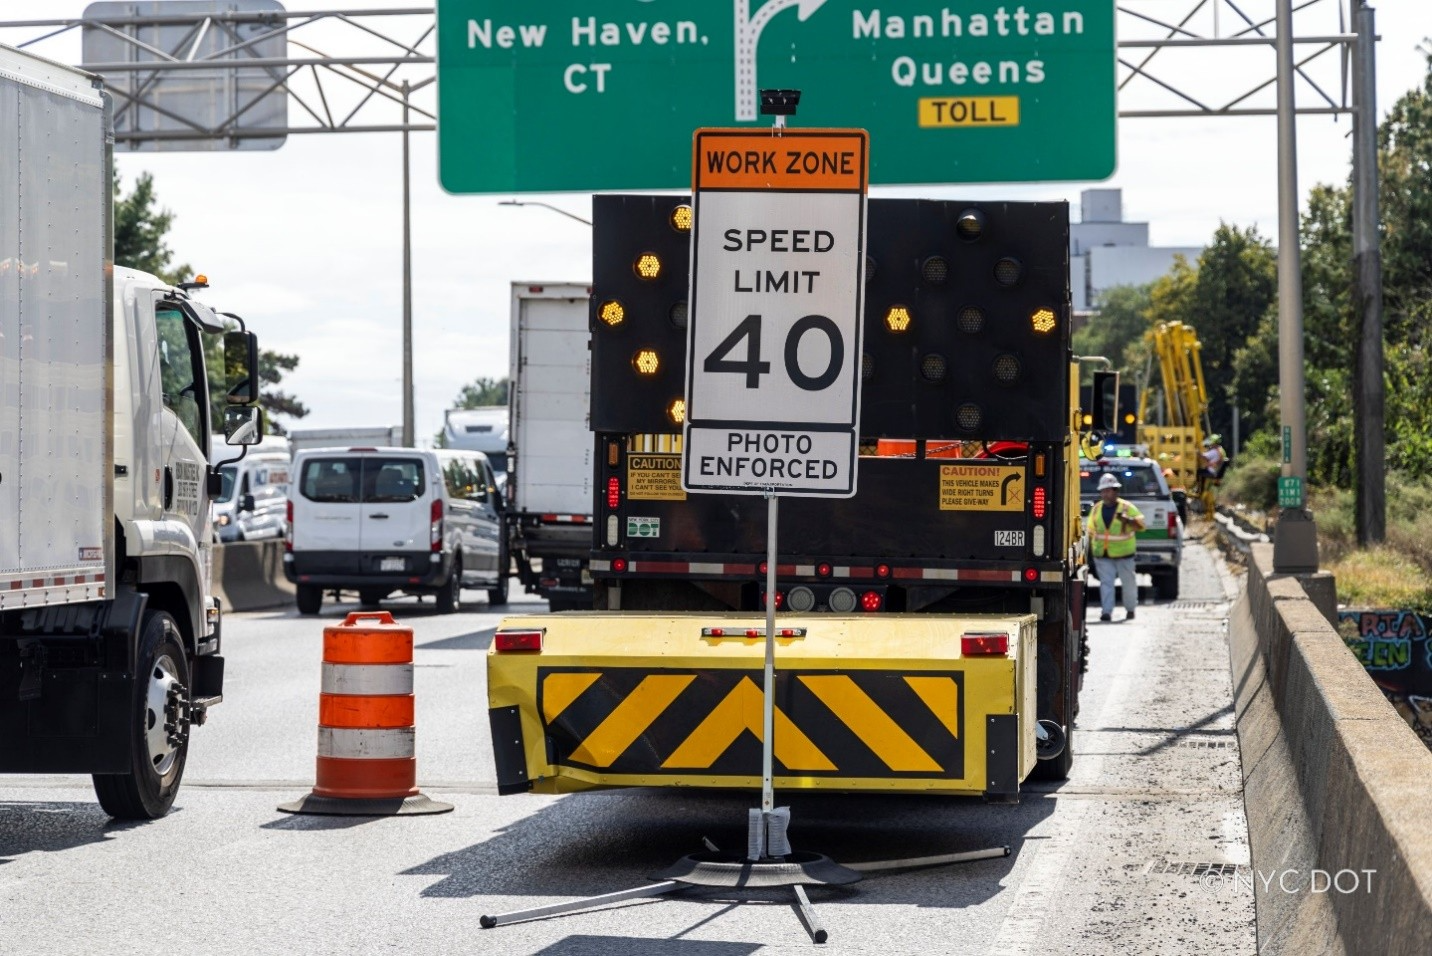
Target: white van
(254, 502)
(385, 520)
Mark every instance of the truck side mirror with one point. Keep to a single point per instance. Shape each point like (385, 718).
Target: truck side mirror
(246, 503)
(1105, 400)
(241, 369)
(243, 425)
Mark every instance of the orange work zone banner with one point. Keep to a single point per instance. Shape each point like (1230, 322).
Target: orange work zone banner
(828, 160)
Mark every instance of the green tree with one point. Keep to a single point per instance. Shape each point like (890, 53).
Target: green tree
(1118, 331)
(480, 392)
(140, 230)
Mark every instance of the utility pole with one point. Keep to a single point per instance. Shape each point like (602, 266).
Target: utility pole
(1295, 541)
(1367, 289)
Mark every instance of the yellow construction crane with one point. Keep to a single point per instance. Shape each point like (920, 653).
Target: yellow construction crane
(1177, 439)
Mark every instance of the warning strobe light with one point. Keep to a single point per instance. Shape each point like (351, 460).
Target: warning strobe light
(897, 319)
(971, 224)
(678, 314)
(681, 218)
(647, 266)
(1008, 271)
(1043, 321)
(612, 312)
(969, 417)
(676, 411)
(934, 368)
(1006, 369)
(971, 320)
(645, 362)
(935, 270)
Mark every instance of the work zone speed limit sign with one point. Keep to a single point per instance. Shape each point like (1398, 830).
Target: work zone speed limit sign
(773, 339)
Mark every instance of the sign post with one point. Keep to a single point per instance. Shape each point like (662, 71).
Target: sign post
(773, 342)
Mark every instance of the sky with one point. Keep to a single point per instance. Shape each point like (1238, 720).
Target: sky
(305, 241)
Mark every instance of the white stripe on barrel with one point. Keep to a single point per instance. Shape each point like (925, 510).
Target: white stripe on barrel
(367, 679)
(367, 744)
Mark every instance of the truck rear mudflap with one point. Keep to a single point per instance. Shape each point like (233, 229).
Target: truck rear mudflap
(889, 702)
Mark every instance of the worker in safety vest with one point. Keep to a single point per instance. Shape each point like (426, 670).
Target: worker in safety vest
(1113, 525)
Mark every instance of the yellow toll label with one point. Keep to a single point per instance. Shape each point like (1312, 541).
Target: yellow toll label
(981, 488)
(654, 478)
(939, 111)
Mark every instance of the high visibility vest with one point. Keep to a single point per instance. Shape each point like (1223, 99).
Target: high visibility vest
(1117, 540)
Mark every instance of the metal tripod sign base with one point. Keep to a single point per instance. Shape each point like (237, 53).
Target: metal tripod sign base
(731, 871)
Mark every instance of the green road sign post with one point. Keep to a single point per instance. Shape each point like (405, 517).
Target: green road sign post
(584, 95)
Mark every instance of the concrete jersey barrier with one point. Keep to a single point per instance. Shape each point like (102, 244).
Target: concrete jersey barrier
(1335, 783)
(248, 575)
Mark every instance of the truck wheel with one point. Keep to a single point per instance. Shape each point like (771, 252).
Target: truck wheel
(1167, 585)
(1058, 768)
(160, 740)
(498, 595)
(450, 597)
(371, 597)
(310, 599)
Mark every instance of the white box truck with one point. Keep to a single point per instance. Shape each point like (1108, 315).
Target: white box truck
(549, 484)
(109, 634)
(364, 436)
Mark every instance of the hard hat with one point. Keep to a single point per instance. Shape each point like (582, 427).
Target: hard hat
(1208, 443)
(1108, 481)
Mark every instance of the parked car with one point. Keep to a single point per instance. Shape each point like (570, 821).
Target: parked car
(386, 520)
(1160, 545)
(254, 502)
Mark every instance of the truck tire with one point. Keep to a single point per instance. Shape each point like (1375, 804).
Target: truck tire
(450, 595)
(1167, 585)
(309, 598)
(371, 597)
(159, 743)
(498, 595)
(1058, 768)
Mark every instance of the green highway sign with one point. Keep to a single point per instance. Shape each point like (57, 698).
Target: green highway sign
(584, 95)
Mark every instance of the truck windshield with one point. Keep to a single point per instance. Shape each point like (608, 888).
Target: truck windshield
(228, 473)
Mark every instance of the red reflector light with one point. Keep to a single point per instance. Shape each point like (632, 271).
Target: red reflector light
(619, 565)
(1041, 502)
(1031, 575)
(871, 601)
(822, 570)
(614, 492)
(882, 570)
(504, 641)
(780, 600)
(763, 567)
(984, 645)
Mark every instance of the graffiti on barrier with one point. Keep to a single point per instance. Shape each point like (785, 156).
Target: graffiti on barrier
(1394, 648)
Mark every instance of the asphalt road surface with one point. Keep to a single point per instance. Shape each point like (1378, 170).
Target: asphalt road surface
(1136, 854)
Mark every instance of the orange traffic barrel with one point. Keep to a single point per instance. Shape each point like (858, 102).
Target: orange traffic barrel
(367, 760)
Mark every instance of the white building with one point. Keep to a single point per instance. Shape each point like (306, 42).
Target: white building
(1105, 251)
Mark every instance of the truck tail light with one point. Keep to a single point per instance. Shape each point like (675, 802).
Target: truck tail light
(1172, 522)
(984, 645)
(288, 529)
(1041, 502)
(871, 601)
(614, 492)
(507, 641)
(435, 533)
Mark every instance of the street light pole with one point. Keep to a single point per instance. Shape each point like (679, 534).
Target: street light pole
(1367, 285)
(1295, 542)
(408, 436)
(533, 202)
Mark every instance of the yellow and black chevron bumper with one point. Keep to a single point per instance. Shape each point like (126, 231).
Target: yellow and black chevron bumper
(880, 702)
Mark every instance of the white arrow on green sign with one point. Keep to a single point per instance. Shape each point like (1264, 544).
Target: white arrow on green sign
(587, 95)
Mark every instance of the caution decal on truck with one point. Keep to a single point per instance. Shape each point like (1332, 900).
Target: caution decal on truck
(848, 723)
(654, 478)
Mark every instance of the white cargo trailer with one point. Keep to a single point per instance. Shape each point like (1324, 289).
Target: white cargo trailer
(549, 484)
(109, 633)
